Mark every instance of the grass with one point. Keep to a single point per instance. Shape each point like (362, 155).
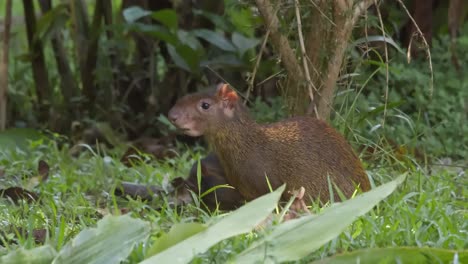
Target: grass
(429, 210)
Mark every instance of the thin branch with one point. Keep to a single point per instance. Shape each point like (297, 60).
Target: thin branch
(323, 14)
(279, 41)
(428, 50)
(257, 64)
(361, 8)
(270, 77)
(310, 84)
(386, 62)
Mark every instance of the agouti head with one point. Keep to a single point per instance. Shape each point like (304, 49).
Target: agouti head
(195, 113)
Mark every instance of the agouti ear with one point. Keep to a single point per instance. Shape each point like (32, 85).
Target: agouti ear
(226, 94)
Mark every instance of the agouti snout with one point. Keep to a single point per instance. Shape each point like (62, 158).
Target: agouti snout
(301, 151)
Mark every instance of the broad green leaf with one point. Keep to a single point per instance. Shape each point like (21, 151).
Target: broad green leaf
(244, 20)
(223, 61)
(134, 13)
(297, 238)
(188, 39)
(241, 221)
(184, 57)
(214, 38)
(243, 43)
(43, 254)
(110, 242)
(167, 17)
(217, 20)
(178, 233)
(399, 255)
(380, 39)
(156, 31)
(178, 60)
(13, 138)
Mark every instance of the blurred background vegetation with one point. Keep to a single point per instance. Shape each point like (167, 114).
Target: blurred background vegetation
(80, 68)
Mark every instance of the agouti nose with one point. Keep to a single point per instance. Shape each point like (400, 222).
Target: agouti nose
(173, 115)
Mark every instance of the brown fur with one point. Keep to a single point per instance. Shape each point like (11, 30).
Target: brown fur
(300, 151)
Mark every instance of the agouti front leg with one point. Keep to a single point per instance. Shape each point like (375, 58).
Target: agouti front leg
(212, 175)
(298, 205)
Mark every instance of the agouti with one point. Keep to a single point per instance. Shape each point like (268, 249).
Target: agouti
(300, 151)
(212, 174)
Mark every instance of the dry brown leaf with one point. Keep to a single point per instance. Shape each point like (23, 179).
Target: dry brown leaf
(18, 193)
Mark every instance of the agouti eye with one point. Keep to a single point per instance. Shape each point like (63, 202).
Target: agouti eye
(205, 105)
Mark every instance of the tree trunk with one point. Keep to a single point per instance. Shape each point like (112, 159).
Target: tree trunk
(329, 27)
(4, 67)
(333, 42)
(80, 27)
(88, 73)
(455, 14)
(68, 85)
(39, 68)
(294, 88)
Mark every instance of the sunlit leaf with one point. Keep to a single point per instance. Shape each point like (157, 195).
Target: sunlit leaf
(39, 255)
(399, 255)
(178, 233)
(238, 222)
(297, 238)
(110, 242)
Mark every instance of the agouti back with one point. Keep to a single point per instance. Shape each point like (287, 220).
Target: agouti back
(300, 151)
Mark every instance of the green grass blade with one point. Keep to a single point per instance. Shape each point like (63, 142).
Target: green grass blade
(296, 239)
(238, 222)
